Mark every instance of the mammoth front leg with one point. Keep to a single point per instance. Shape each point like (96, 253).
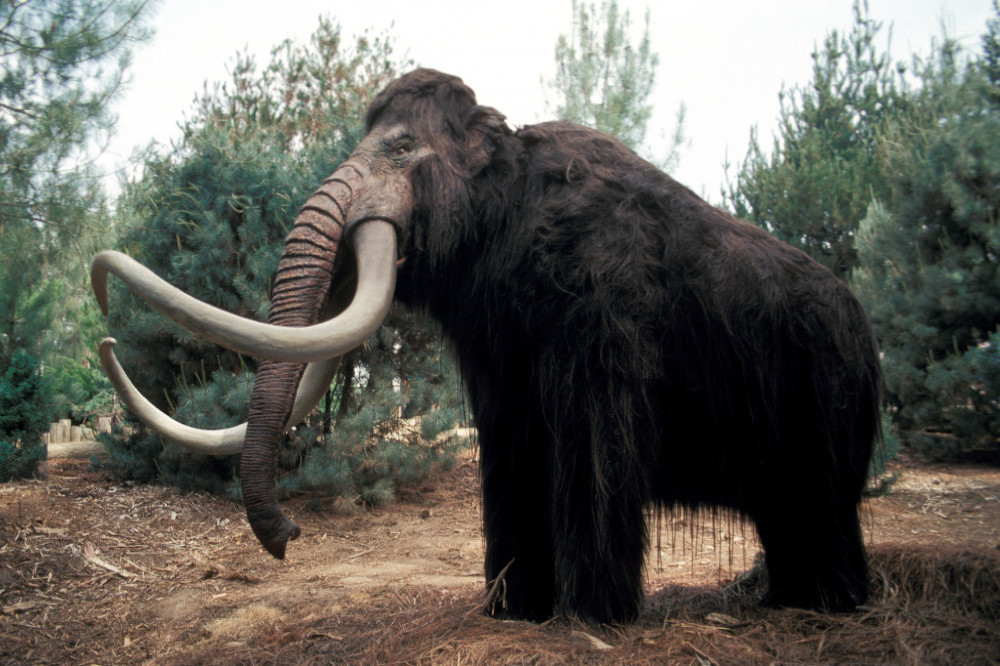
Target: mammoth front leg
(515, 488)
(600, 534)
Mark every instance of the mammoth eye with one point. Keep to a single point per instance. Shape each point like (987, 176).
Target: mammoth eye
(402, 146)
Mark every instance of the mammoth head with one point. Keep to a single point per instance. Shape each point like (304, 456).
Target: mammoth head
(426, 140)
(426, 129)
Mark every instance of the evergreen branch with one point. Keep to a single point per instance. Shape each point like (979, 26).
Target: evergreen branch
(10, 17)
(19, 111)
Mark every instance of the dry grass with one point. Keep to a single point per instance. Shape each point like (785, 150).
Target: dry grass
(246, 623)
(927, 607)
(93, 572)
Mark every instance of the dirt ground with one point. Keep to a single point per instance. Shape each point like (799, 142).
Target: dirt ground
(92, 571)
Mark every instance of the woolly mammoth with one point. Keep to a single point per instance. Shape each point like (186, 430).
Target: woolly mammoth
(624, 346)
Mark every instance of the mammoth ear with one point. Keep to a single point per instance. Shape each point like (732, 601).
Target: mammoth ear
(484, 126)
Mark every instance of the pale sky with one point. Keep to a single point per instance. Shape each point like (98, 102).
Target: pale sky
(726, 60)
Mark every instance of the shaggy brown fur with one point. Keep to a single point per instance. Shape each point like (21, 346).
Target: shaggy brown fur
(625, 344)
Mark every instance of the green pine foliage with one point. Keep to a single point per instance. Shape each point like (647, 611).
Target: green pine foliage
(24, 416)
(991, 49)
(210, 216)
(393, 401)
(880, 479)
(61, 64)
(603, 80)
(27, 299)
(814, 185)
(131, 452)
(889, 174)
(353, 464)
(930, 259)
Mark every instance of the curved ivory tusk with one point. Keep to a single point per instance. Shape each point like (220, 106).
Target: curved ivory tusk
(375, 250)
(315, 381)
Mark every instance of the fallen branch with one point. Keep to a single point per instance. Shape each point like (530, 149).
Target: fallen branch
(90, 555)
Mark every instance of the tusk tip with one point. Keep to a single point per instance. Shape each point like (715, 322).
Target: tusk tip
(99, 278)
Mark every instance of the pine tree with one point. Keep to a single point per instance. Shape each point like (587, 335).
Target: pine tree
(26, 305)
(23, 416)
(822, 171)
(604, 81)
(991, 46)
(211, 216)
(930, 257)
(62, 63)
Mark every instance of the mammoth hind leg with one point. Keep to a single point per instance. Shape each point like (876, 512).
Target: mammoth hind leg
(814, 553)
(806, 502)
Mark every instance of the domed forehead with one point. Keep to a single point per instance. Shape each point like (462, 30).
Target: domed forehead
(424, 100)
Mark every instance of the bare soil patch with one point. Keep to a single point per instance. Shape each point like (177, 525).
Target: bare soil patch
(92, 571)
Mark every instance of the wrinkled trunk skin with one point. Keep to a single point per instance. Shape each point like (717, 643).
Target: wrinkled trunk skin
(301, 288)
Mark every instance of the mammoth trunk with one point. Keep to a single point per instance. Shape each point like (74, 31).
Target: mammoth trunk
(301, 288)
